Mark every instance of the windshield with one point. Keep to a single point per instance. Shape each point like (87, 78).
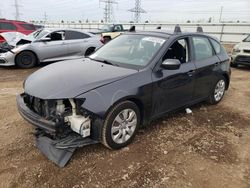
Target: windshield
(247, 39)
(38, 34)
(106, 28)
(132, 51)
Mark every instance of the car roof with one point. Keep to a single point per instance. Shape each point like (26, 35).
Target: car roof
(66, 29)
(15, 21)
(166, 34)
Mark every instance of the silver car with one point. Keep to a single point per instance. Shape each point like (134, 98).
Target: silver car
(46, 45)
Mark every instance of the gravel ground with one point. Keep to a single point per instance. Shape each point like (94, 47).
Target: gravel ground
(208, 148)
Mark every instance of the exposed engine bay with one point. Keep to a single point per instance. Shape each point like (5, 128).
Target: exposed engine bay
(5, 47)
(64, 113)
(72, 127)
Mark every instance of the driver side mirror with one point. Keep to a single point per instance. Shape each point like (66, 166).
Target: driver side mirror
(171, 64)
(45, 39)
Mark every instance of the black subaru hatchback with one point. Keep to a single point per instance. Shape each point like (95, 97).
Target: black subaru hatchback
(128, 82)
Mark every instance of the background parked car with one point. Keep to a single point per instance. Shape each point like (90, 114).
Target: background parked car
(241, 53)
(16, 26)
(110, 31)
(46, 45)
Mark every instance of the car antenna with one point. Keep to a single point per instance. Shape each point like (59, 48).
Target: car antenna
(199, 29)
(177, 29)
(132, 29)
(159, 27)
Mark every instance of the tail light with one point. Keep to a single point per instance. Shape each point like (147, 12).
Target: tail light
(102, 39)
(2, 39)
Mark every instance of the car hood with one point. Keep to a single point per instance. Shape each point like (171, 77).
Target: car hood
(71, 78)
(12, 38)
(243, 45)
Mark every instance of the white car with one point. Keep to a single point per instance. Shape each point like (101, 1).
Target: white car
(46, 45)
(241, 53)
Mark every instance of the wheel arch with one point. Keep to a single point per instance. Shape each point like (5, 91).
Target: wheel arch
(227, 79)
(133, 99)
(89, 48)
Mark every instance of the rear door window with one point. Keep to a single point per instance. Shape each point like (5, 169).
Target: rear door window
(202, 48)
(74, 35)
(28, 26)
(7, 26)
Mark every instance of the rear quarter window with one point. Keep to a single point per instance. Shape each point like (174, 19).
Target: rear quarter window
(202, 48)
(218, 48)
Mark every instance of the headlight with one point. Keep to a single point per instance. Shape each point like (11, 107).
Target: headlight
(15, 50)
(236, 50)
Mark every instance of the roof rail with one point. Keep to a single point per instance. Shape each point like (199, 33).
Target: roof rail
(177, 29)
(159, 27)
(199, 29)
(132, 29)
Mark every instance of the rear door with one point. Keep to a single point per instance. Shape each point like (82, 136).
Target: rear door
(207, 65)
(76, 42)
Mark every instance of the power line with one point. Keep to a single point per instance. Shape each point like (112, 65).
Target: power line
(17, 12)
(45, 17)
(137, 10)
(221, 10)
(108, 10)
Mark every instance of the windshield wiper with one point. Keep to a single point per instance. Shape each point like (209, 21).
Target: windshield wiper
(104, 61)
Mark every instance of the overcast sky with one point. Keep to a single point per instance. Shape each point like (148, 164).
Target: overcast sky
(157, 10)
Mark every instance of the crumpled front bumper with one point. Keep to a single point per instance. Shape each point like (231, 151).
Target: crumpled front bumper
(7, 59)
(58, 150)
(34, 118)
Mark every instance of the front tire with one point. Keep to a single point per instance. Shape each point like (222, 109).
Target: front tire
(26, 59)
(121, 125)
(218, 91)
(232, 64)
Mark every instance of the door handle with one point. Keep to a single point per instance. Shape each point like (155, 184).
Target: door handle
(190, 73)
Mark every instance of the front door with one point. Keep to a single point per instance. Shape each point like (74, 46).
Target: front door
(54, 49)
(173, 89)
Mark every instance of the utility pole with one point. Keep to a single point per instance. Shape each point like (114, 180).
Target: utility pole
(137, 10)
(45, 17)
(221, 10)
(17, 13)
(108, 10)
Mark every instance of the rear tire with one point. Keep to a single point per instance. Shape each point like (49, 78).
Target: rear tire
(26, 59)
(121, 125)
(218, 91)
(89, 51)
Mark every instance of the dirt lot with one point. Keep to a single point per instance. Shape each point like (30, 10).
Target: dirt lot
(208, 148)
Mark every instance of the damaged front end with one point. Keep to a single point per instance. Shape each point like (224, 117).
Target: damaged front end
(5, 47)
(61, 125)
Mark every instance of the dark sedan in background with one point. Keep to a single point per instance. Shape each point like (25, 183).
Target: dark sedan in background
(128, 82)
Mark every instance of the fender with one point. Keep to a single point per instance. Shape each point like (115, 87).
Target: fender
(100, 100)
